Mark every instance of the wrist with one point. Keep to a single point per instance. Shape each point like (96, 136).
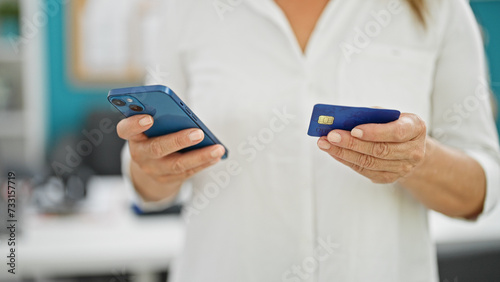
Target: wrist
(149, 189)
(419, 170)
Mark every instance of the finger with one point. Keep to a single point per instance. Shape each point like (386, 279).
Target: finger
(366, 161)
(182, 163)
(407, 127)
(188, 173)
(381, 177)
(132, 128)
(161, 146)
(382, 150)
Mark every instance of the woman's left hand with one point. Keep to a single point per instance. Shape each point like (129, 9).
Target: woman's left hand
(384, 153)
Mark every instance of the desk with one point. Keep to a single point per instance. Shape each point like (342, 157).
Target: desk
(107, 238)
(459, 237)
(445, 230)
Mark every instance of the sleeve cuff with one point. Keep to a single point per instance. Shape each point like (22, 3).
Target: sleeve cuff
(490, 163)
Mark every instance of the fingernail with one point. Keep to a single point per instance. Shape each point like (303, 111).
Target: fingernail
(358, 133)
(217, 152)
(334, 137)
(145, 121)
(323, 144)
(195, 135)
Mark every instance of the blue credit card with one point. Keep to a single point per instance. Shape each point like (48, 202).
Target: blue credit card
(326, 118)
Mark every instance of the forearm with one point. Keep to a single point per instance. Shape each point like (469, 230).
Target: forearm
(151, 190)
(448, 181)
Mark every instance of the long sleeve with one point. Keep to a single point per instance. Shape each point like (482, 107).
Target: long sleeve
(462, 112)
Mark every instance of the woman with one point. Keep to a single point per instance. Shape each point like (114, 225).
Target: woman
(351, 206)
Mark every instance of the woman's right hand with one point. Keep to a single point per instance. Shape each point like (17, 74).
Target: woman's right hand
(157, 169)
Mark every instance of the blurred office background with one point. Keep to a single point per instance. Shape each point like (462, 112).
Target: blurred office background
(58, 59)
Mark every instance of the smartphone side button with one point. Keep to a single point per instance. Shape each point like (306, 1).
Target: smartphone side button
(194, 117)
(188, 111)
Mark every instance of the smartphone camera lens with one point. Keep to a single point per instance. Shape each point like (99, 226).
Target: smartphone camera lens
(136, 108)
(118, 102)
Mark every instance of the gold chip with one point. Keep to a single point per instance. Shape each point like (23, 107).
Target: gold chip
(328, 120)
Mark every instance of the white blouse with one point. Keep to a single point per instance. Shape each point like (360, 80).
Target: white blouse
(280, 209)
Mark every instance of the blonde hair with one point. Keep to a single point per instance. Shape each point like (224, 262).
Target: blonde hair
(418, 7)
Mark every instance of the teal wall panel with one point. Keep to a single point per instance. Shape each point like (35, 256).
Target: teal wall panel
(68, 104)
(488, 16)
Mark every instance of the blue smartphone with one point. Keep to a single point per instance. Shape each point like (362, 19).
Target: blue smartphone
(169, 112)
(326, 118)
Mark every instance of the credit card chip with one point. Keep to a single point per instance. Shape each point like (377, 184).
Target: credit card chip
(327, 120)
